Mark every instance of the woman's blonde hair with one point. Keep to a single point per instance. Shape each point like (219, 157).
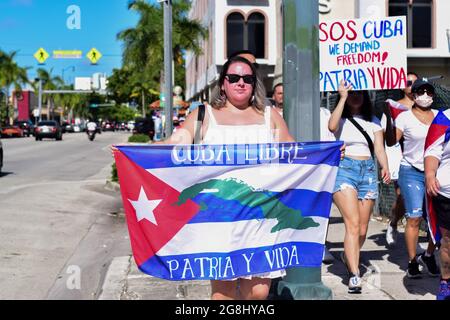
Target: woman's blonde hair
(219, 98)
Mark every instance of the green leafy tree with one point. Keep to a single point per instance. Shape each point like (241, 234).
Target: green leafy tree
(49, 82)
(11, 75)
(143, 54)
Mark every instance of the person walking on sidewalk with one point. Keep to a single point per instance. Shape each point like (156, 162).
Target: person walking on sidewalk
(356, 185)
(237, 114)
(394, 153)
(413, 127)
(437, 179)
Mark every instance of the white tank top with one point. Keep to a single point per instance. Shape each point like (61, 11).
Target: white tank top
(238, 134)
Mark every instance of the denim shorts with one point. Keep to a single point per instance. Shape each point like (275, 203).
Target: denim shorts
(360, 175)
(412, 187)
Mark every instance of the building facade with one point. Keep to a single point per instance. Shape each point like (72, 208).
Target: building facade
(257, 25)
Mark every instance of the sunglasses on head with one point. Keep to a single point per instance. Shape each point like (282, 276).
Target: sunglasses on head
(422, 91)
(248, 78)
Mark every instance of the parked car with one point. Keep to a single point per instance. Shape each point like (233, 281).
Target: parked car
(144, 126)
(108, 126)
(48, 129)
(12, 131)
(26, 125)
(66, 127)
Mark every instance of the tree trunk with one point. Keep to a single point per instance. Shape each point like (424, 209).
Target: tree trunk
(143, 104)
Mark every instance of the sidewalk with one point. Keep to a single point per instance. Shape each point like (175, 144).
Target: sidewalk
(383, 273)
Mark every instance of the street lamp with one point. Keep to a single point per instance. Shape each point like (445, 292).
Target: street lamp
(67, 68)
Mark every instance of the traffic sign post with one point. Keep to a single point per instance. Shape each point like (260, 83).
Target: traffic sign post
(94, 55)
(41, 55)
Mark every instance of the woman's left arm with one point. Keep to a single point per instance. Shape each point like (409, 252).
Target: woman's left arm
(281, 131)
(381, 156)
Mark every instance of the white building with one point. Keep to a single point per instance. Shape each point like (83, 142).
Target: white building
(257, 25)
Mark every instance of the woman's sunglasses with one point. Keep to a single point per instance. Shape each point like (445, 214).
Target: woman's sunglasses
(248, 78)
(409, 83)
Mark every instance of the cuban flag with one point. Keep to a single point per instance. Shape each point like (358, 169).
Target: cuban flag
(395, 108)
(438, 134)
(204, 212)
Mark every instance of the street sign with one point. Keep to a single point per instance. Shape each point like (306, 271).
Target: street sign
(41, 55)
(67, 54)
(94, 55)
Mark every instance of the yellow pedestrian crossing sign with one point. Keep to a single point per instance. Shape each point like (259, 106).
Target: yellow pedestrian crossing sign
(94, 55)
(41, 55)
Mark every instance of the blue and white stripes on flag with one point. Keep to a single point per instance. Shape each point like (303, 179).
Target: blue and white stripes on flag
(205, 212)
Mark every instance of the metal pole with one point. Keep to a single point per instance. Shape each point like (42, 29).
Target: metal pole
(168, 67)
(302, 112)
(40, 100)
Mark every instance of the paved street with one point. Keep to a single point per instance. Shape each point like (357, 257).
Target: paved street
(58, 230)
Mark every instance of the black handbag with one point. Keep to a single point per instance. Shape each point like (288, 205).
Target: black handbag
(364, 133)
(198, 127)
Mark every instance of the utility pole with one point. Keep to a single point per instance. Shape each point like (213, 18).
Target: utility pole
(302, 114)
(167, 67)
(40, 99)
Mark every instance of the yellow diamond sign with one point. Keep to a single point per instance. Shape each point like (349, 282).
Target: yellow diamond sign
(94, 55)
(41, 55)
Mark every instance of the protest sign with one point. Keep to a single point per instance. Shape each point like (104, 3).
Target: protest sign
(368, 53)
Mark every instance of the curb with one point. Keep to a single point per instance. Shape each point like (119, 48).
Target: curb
(115, 279)
(112, 186)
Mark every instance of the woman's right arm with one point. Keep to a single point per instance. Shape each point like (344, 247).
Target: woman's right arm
(333, 123)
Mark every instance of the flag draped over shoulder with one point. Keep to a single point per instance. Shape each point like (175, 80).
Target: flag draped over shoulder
(438, 134)
(202, 212)
(396, 108)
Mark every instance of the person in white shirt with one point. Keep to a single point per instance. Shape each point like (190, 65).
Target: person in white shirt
(437, 179)
(394, 153)
(413, 127)
(91, 126)
(278, 97)
(356, 186)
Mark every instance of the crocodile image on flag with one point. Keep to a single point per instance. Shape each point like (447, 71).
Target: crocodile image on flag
(216, 212)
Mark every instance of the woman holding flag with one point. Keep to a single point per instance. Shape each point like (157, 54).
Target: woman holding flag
(237, 115)
(437, 178)
(413, 127)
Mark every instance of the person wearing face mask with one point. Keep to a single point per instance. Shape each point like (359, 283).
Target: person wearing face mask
(394, 152)
(356, 187)
(412, 126)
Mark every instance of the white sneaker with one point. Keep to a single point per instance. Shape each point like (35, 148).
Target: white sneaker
(391, 235)
(354, 284)
(327, 256)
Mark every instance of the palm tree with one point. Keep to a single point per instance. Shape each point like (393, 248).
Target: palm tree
(11, 74)
(49, 83)
(143, 51)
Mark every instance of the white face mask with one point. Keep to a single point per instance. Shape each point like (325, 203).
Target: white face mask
(424, 101)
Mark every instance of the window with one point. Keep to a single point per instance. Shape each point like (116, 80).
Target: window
(246, 35)
(418, 19)
(235, 33)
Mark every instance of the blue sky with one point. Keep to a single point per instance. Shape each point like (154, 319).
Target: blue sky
(27, 25)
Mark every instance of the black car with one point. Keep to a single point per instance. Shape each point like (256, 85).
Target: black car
(48, 129)
(26, 125)
(144, 126)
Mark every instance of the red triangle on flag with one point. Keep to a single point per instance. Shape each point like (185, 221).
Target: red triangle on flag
(147, 238)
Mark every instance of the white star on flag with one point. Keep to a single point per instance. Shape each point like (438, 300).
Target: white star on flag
(144, 207)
